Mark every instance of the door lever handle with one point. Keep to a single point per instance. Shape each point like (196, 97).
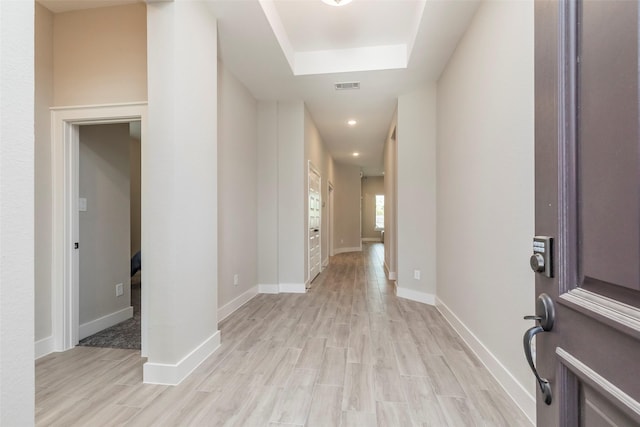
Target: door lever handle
(544, 317)
(545, 387)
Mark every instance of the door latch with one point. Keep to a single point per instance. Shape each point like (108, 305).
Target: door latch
(76, 245)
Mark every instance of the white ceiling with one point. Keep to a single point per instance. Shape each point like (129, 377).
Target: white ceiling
(262, 54)
(297, 50)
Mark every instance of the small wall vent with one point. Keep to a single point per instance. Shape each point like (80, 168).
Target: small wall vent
(347, 85)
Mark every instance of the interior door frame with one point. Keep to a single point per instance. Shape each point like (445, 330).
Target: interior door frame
(65, 134)
(330, 190)
(312, 169)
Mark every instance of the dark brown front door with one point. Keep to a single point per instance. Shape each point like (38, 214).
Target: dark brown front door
(588, 201)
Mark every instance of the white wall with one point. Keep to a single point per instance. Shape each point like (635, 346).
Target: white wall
(43, 188)
(347, 208)
(267, 170)
(105, 235)
(237, 187)
(486, 188)
(100, 55)
(179, 217)
(16, 213)
(416, 194)
(317, 154)
(371, 186)
(291, 213)
(391, 200)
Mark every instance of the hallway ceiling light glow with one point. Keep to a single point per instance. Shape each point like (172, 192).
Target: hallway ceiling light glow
(356, 154)
(351, 122)
(336, 2)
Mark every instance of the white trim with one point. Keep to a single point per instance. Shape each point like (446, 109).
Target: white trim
(292, 288)
(418, 296)
(371, 239)
(391, 275)
(173, 374)
(65, 122)
(43, 347)
(325, 263)
(337, 251)
(104, 322)
(521, 397)
(268, 289)
(226, 310)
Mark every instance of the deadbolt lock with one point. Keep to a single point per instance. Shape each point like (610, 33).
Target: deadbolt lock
(541, 261)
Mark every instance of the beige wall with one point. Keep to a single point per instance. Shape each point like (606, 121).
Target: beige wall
(95, 56)
(180, 187)
(347, 208)
(390, 202)
(104, 228)
(43, 189)
(416, 194)
(100, 55)
(267, 176)
(237, 187)
(371, 186)
(486, 186)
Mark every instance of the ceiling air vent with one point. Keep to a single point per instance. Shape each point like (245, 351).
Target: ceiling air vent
(347, 85)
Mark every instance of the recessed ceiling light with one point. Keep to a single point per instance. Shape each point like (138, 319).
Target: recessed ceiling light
(336, 2)
(351, 122)
(356, 154)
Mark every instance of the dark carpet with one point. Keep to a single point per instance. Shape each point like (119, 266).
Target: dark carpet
(125, 334)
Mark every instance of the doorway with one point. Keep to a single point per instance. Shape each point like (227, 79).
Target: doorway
(66, 243)
(109, 235)
(315, 257)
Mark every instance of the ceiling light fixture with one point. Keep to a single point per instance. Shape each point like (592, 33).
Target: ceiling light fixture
(356, 154)
(336, 2)
(351, 122)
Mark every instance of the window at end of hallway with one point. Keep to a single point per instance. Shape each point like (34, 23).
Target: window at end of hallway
(379, 212)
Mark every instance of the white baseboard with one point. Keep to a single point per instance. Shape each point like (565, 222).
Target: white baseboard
(391, 275)
(371, 239)
(325, 263)
(292, 288)
(104, 322)
(268, 289)
(345, 250)
(522, 398)
(418, 296)
(236, 303)
(43, 347)
(173, 374)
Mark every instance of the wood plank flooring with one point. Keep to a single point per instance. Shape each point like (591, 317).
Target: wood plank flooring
(347, 353)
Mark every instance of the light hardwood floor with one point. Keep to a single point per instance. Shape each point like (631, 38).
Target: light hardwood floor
(347, 353)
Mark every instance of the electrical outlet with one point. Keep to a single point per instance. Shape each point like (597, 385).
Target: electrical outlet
(119, 289)
(416, 274)
(236, 280)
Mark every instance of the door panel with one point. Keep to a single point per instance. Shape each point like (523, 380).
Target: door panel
(607, 141)
(315, 258)
(588, 199)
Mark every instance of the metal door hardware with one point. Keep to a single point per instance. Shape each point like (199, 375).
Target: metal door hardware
(541, 261)
(544, 317)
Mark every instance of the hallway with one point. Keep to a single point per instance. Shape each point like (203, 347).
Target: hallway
(347, 353)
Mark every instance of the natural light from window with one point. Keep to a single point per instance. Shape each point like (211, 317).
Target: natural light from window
(379, 211)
